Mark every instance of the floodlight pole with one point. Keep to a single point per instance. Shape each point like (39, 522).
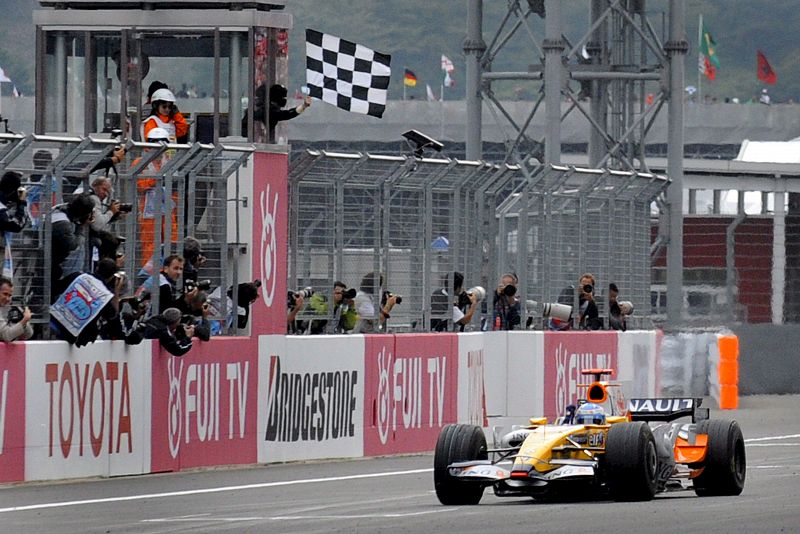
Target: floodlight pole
(553, 46)
(676, 49)
(474, 47)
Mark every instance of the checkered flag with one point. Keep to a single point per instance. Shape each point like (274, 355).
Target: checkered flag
(346, 74)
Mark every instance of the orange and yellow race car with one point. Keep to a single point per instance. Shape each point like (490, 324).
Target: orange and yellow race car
(603, 447)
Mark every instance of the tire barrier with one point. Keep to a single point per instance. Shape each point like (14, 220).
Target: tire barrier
(724, 375)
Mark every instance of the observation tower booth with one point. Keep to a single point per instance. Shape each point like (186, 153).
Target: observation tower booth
(96, 58)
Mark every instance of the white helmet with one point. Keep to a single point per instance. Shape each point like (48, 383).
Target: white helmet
(158, 134)
(165, 95)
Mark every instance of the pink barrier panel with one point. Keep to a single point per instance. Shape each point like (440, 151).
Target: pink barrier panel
(204, 405)
(565, 355)
(410, 391)
(12, 412)
(270, 214)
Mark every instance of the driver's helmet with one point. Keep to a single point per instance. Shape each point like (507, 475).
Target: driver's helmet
(590, 414)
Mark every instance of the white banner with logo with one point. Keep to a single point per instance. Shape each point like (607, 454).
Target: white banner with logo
(638, 363)
(310, 397)
(87, 410)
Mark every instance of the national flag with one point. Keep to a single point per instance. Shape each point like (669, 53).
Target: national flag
(409, 78)
(447, 65)
(3, 77)
(15, 93)
(765, 72)
(447, 69)
(431, 96)
(709, 63)
(347, 75)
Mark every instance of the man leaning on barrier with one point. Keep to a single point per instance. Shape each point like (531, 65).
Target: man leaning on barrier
(166, 327)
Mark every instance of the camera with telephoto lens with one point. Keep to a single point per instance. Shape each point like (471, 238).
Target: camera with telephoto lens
(14, 315)
(588, 288)
(203, 285)
(387, 294)
(349, 293)
(125, 207)
(306, 293)
(510, 290)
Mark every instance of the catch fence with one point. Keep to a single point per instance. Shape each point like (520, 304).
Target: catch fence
(417, 220)
(173, 191)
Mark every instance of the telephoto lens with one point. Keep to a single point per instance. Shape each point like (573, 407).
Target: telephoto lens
(588, 288)
(510, 290)
(478, 291)
(349, 293)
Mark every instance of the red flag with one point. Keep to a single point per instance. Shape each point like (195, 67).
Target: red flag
(765, 72)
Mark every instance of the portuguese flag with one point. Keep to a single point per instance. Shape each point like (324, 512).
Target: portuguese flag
(709, 63)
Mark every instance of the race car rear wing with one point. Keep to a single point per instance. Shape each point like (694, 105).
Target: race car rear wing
(663, 409)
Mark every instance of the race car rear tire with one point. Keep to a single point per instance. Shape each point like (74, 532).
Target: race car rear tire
(725, 466)
(458, 443)
(631, 462)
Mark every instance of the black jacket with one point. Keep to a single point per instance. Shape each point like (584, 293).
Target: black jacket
(176, 344)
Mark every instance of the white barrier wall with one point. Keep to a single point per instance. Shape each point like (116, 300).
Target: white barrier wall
(110, 409)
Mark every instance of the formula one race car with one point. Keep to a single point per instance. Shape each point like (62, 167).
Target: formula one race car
(601, 448)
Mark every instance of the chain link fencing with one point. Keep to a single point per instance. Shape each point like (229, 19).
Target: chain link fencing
(417, 220)
(172, 191)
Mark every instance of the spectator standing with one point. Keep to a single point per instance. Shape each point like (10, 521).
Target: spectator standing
(195, 258)
(507, 308)
(13, 215)
(764, 98)
(11, 330)
(70, 225)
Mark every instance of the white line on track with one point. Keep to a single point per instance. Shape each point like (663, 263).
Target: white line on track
(772, 438)
(190, 519)
(264, 485)
(209, 490)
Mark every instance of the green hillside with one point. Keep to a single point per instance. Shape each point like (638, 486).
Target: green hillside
(417, 32)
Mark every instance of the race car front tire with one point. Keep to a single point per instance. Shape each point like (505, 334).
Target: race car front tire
(725, 465)
(631, 462)
(458, 443)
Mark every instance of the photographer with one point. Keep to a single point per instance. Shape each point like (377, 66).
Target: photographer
(196, 312)
(168, 295)
(70, 224)
(106, 211)
(464, 304)
(15, 325)
(104, 215)
(507, 308)
(368, 322)
(294, 304)
(618, 310)
(13, 215)
(194, 258)
(588, 315)
(167, 329)
(345, 316)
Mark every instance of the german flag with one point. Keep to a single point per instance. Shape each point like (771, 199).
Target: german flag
(409, 78)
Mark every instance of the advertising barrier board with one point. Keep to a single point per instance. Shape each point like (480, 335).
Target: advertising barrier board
(204, 405)
(270, 223)
(311, 392)
(12, 412)
(90, 414)
(566, 354)
(410, 391)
